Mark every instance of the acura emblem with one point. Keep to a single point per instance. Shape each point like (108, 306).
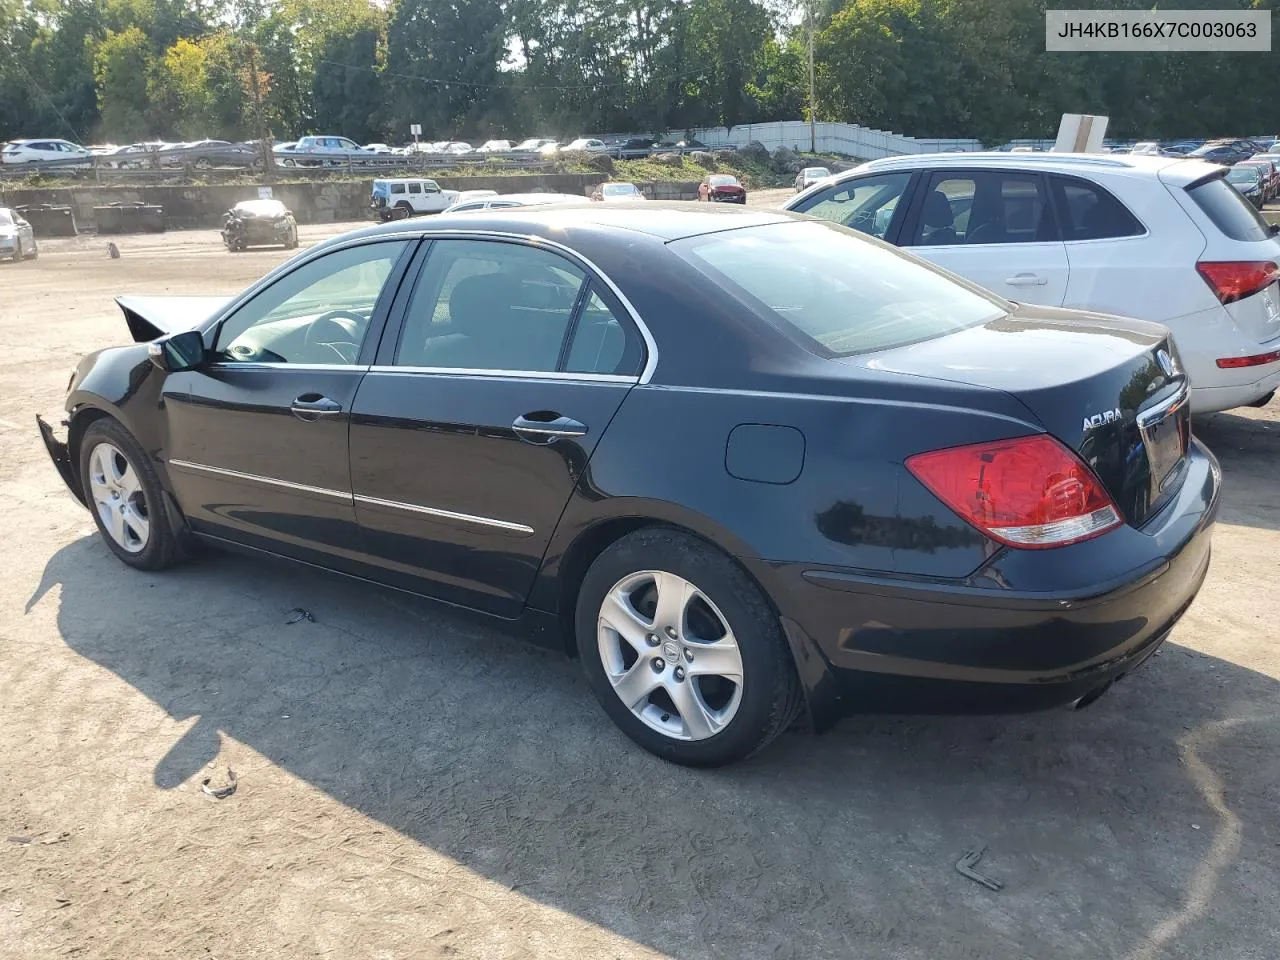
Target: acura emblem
(1165, 361)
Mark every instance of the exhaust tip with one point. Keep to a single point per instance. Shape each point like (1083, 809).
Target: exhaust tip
(1091, 696)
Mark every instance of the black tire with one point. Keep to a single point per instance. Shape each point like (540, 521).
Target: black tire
(35, 250)
(161, 549)
(293, 238)
(771, 697)
(18, 253)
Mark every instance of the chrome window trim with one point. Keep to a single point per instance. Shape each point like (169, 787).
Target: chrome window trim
(439, 514)
(425, 233)
(284, 365)
(512, 374)
(254, 478)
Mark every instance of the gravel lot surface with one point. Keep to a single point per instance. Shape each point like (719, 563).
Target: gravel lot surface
(411, 783)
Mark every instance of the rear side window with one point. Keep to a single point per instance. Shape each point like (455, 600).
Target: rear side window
(415, 188)
(1228, 211)
(1088, 212)
(840, 293)
(397, 188)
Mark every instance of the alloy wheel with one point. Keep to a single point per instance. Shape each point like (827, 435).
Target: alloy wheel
(118, 497)
(670, 655)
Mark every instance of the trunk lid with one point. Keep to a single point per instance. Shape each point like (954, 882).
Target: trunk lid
(1111, 389)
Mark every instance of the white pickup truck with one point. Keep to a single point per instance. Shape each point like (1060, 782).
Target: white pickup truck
(401, 197)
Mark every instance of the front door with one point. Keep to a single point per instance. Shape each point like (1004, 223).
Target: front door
(993, 227)
(469, 435)
(257, 449)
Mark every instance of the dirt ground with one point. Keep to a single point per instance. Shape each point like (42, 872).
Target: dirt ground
(414, 784)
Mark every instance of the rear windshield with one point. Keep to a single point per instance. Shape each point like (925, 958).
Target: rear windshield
(842, 293)
(1229, 212)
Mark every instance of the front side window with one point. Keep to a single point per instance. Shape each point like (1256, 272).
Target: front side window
(319, 313)
(866, 204)
(834, 291)
(415, 188)
(489, 305)
(982, 207)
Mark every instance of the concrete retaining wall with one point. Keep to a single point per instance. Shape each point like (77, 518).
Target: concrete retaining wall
(321, 202)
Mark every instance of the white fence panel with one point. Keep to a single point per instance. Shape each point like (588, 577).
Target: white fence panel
(846, 138)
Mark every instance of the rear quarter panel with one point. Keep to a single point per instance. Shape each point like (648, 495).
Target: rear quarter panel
(853, 505)
(1150, 277)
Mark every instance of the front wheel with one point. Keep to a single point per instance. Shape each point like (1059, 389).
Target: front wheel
(35, 250)
(683, 651)
(18, 253)
(125, 497)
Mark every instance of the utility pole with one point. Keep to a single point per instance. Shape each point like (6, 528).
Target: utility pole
(264, 137)
(813, 100)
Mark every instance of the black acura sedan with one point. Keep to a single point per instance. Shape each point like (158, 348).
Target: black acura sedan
(749, 468)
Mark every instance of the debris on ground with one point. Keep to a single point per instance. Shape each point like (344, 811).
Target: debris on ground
(220, 793)
(60, 838)
(113, 251)
(970, 860)
(20, 840)
(297, 615)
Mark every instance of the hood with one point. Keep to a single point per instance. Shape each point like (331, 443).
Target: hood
(152, 317)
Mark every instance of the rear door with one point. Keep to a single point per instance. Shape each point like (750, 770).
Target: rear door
(994, 227)
(470, 433)
(257, 448)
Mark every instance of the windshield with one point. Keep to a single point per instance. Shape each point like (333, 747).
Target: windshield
(1242, 174)
(618, 189)
(841, 293)
(817, 172)
(722, 180)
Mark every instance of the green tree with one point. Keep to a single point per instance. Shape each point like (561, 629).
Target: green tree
(443, 59)
(121, 65)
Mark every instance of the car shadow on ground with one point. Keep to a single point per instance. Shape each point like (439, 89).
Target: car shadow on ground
(1248, 447)
(1143, 825)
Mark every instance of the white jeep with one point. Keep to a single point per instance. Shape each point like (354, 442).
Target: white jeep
(401, 197)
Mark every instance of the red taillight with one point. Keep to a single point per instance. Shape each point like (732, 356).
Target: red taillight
(1029, 492)
(1257, 360)
(1233, 280)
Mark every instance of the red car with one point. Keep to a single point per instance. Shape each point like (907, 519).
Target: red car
(722, 188)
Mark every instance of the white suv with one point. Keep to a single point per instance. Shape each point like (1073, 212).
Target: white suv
(1157, 238)
(38, 151)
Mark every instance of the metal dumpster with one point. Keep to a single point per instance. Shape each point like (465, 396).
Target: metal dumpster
(49, 220)
(129, 216)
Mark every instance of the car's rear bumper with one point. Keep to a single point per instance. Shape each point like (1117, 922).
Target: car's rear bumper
(872, 644)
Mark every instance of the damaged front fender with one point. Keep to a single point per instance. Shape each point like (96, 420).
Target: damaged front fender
(61, 457)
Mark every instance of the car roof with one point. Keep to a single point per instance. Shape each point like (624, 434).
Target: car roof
(660, 221)
(1174, 169)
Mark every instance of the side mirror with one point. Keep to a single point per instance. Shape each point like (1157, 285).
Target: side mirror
(1274, 229)
(177, 351)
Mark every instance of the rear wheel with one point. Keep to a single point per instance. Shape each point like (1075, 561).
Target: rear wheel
(35, 250)
(125, 497)
(683, 651)
(17, 253)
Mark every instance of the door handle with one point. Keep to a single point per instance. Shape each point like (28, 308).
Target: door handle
(545, 427)
(1026, 280)
(311, 407)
